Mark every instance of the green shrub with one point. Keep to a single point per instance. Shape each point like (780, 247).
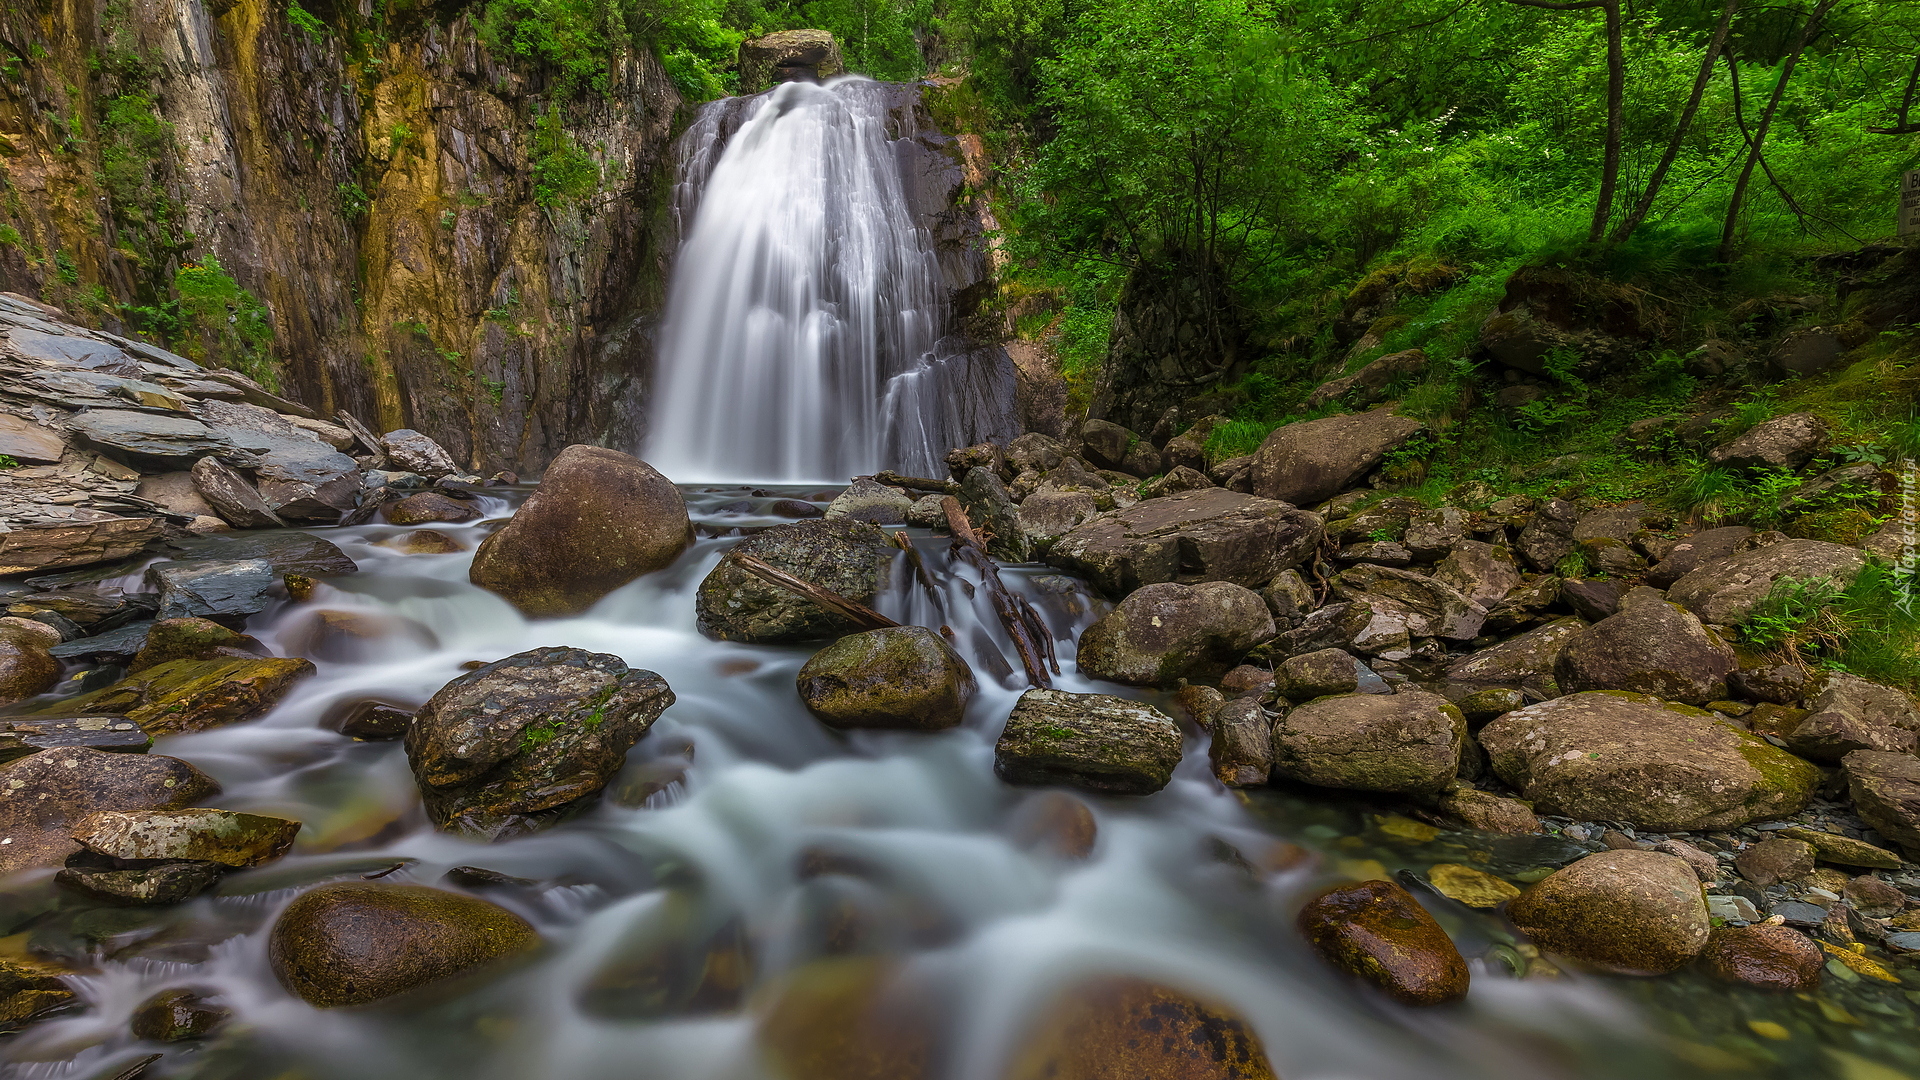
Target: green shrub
(305, 21)
(232, 328)
(563, 172)
(1870, 628)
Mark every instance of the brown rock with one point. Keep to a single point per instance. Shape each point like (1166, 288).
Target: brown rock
(355, 636)
(1768, 957)
(184, 639)
(423, 542)
(1058, 822)
(1208, 535)
(1489, 812)
(43, 796)
(52, 547)
(26, 669)
(1772, 861)
(1115, 1027)
(599, 520)
(1633, 912)
(353, 942)
(1311, 462)
(184, 696)
(1874, 898)
(29, 989)
(368, 719)
(424, 507)
(1407, 743)
(898, 677)
(849, 1018)
(1242, 747)
(1375, 930)
(1886, 794)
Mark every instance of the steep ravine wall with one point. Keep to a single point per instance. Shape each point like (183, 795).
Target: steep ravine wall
(373, 183)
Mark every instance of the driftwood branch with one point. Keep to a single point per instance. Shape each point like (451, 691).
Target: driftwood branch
(861, 615)
(914, 483)
(905, 543)
(1015, 614)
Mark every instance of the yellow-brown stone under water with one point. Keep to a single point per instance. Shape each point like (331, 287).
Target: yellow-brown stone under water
(183, 696)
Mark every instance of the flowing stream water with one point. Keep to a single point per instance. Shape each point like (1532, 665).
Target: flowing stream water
(742, 832)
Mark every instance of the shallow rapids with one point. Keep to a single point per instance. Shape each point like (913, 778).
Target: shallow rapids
(739, 819)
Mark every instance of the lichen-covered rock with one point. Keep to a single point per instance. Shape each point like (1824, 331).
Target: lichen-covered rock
(1548, 535)
(1178, 479)
(992, 510)
(1767, 957)
(786, 56)
(902, 677)
(849, 558)
(184, 696)
(143, 886)
(197, 835)
(1526, 660)
(43, 796)
(1242, 747)
(353, 942)
(1406, 743)
(425, 507)
(1428, 606)
(1886, 794)
(599, 520)
(1377, 931)
(1844, 850)
(1724, 592)
(1633, 912)
(1649, 647)
(872, 502)
(1110, 446)
(410, 451)
(1194, 536)
(1312, 461)
(1695, 551)
(514, 746)
(1317, 674)
(1095, 742)
(1046, 516)
(1167, 632)
(1113, 1027)
(1617, 756)
(1784, 442)
(1481, 572)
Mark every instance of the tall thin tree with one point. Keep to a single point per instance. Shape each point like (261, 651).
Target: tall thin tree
(1731, 230)
(1616, 96)
(1644, 206)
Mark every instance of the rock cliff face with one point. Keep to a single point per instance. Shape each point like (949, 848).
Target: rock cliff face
(407, 213)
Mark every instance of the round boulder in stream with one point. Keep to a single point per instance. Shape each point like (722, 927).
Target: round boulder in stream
(353, 942)
(1769, 957)
(513, 747)
(845, 557)
(1376, 930)
(600, 519)
(900, 677)
(1165, 632)
(1632, 912)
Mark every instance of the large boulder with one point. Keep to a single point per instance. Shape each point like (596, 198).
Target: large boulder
(1885, 789)
(1784, 442)
(991, 509)
(1634, 912)
(1849, 713)
(1311, 462)
(1110, 446)
(904, 677)
(1725, 592)
(788, 56)
(409, 451)
(352, 942)
(1548, 535)
(1617, 756)
(1095, 742)
(44, 796)
(1404, 744)
(299, 477)
(1377, 931)
(1242, 748)
(1481, 572)
(184, 696)
(599, 519)
(1428, 606)
(1166, 632)
(1048, 515)
(1649, 647)
(872, 502)
(1208, 535)
(516, 745)
(849, 558)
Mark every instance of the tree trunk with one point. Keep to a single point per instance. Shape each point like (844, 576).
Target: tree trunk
(1714, 46)
(1616, 96)
(1730, 231)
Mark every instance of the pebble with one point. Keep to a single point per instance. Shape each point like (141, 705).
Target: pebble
(1798, 913)
(1732, 909)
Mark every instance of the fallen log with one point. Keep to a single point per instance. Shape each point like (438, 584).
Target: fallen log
(905, 543)
(915, 483)
(861, 615)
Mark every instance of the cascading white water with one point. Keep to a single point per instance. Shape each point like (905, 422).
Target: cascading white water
(805, 337)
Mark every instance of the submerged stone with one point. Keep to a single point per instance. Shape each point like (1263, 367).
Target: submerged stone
(183, 696)
(1768, 957)
(1633, 912)
(1116, 1026)
(1377, 931)
(353, 942)
(178, 1014)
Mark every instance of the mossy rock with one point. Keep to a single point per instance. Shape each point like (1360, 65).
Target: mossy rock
(354, 942)
(901, 677)
(1377, 931)
(184, 696)
(1633, 912)
(846, 557)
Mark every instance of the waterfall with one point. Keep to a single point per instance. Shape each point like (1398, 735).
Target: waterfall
(806, 337)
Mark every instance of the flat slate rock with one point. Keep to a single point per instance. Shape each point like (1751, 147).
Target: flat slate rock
(108, 734)
(290, 552)
(114, 646)
(60, 348)
(147, 439)
(25, 441)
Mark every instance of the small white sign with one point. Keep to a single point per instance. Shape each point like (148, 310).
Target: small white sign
(1910, 204)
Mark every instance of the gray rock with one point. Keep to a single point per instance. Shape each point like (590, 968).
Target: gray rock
(1110, 446)
(1885, 789)
(299, 476)
(1195, 536)
(1428, 607)
(289, 552)
(1592, 600)
(1405, 744)
(850, 558)
(518, 744)
(1242, 748)
(193, 835)
(927, 512)
(29, 443)
(1725, 592)
(158, 442)
(1289, 597)
(871, 502)
(1696, 551)
(1784, 442)
(1367, 385)
(232, 496)
(1336, 626)
(1527, 660)
(1179, 478)
(1166, 632)
(1036, 452)
(1526, 604)
(411, 451)
(1047, 515)
(1312, 461)
(991, 509)
(1095, 742)
(54, 791)
(1649, 647)
(1432, 534)
(1548, 537)
(217, 590)
(1615, 756)
(64, 349)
